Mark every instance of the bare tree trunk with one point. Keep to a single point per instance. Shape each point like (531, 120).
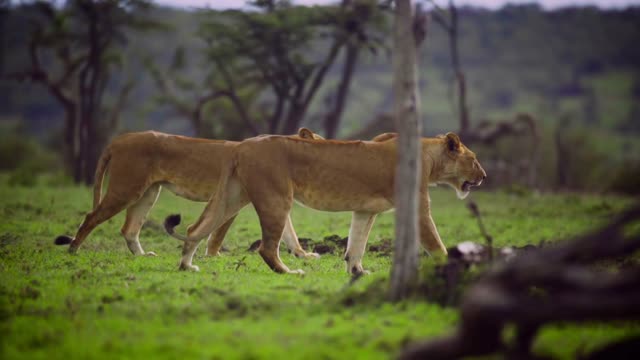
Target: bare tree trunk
(562, 154)
(461, 82)
(90, 97)
(294, 117)
(407, 181)
(450, 25)
(70, 147)
(333, 119)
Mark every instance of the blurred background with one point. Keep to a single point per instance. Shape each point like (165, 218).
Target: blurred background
(547, 94)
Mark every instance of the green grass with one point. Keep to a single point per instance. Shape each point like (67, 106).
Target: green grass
(105, 303)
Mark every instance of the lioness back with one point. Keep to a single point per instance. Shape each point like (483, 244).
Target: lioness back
(329, 175)
(187, 166)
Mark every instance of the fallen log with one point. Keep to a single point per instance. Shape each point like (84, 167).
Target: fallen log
(557, 283)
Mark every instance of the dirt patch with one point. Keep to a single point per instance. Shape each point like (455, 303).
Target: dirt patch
(339, 241)
(306, 243)
(383, 248)
(324, 248)
(331, 244)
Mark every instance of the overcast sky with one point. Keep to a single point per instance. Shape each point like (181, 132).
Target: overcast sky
(549, 4)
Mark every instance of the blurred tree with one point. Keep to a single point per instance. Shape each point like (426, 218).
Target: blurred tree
(4, 10)
(366, 26)
(409, 31)
(288, 51)
(73, 52)
(487, 132)
(199, 100)
(448, 20)
(631, 124)
(590, 108)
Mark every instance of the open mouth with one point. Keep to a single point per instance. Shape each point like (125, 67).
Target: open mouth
(467, 185)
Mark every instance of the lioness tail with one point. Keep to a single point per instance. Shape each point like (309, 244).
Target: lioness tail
(171, 222)
(101, 169)
(63, 240)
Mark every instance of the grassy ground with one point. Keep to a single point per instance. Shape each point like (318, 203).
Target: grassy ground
(105, 303)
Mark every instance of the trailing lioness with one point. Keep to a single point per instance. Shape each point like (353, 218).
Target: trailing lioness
(141, 163)
(329, 175)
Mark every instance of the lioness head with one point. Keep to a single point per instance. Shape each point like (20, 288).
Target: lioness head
(461, 169)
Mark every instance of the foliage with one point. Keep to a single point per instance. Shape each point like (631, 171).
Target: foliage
(578, 61)
(104, 303)
(284, 49)
(627, 179)
(80, 42)
(22, 156)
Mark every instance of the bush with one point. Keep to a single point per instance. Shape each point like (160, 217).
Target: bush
(23, 157)
(627, 180)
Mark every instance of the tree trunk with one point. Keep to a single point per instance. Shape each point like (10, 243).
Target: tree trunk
(333, 119)
(92, 85)
(294, 117)
(407, 181)
(562, 154)
(461, 82)
(70, 147)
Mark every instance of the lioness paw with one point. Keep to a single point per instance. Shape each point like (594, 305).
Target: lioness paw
(301, 254)
(150, 253)
(189, 267)
(298, 271)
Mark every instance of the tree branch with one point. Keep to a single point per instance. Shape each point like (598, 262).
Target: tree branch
(326, 64)
(235, 100)
(121, 102)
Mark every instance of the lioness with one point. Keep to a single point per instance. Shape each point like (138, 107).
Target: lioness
(141, 163)
(327, 175)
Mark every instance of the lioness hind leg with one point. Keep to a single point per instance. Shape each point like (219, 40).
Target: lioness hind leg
(188, 249)
(136, 216)
(361, 224)
(214, 242)
(290, 238)
(221, 209)
(108, 207)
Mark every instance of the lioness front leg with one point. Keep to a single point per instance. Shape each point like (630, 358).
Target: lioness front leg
(429, 237)
(361, 224)
(273, 211)
(272, 227)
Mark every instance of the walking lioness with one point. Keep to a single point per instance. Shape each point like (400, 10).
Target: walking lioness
(141, 163)
(330, 175)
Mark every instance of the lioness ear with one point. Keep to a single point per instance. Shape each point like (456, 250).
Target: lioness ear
(453, 142)
(305, 133)
(385, 137)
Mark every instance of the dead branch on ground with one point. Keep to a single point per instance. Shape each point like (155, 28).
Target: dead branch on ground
(553, 284)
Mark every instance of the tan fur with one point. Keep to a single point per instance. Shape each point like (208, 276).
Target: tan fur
(140, 164)
(330, 175)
